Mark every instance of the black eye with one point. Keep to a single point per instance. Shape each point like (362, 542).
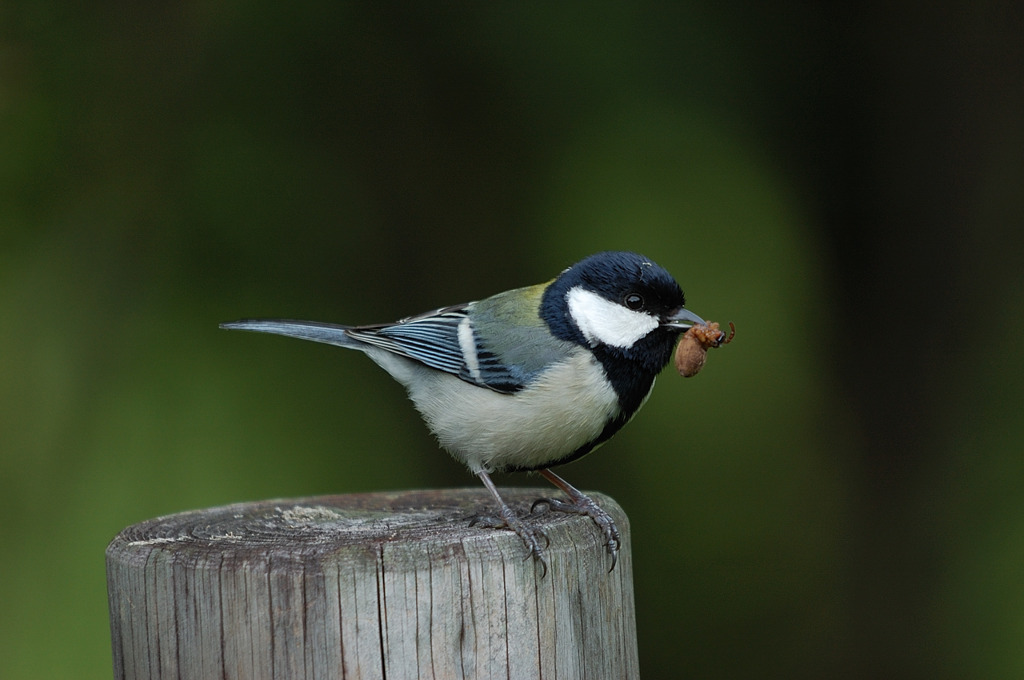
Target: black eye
(634, 301)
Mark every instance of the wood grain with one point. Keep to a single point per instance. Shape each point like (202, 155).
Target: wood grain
(386, 585)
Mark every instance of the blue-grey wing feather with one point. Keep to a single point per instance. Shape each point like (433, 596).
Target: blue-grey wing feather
(432, 339)
(510, 346)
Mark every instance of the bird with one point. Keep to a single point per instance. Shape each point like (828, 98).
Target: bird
(530, 378)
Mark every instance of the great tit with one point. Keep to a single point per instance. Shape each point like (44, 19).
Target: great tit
(532, 377)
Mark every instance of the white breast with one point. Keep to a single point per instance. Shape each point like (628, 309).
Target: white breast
(565, 409)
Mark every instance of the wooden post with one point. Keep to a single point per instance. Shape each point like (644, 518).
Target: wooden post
(386, 585)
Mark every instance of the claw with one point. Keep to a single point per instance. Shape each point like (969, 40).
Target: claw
(540, 501)
(581, 504)
(527, 534)
(509, 520)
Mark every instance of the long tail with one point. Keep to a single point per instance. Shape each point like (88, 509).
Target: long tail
(331, 334)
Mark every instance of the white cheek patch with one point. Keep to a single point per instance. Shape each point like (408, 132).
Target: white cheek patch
(605, 322)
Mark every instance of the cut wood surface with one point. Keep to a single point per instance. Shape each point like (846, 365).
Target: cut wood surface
(384, 585)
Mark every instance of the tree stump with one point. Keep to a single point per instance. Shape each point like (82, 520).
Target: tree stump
(383, 585)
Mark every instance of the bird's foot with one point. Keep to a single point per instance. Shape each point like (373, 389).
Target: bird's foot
(581, 504)
(531, 537)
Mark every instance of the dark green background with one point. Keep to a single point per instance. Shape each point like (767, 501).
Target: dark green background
(839, 494)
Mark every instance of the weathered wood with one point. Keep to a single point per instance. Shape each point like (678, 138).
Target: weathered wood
(386, 585)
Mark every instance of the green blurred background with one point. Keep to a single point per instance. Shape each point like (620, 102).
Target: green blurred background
(839, 494)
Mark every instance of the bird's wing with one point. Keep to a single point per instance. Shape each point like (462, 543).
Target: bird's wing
(446, 340)
(431, 338)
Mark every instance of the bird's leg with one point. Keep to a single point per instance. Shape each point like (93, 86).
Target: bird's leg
(582, 504)
(509, 520)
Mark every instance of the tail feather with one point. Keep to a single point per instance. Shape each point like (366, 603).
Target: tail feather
(331, 334)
